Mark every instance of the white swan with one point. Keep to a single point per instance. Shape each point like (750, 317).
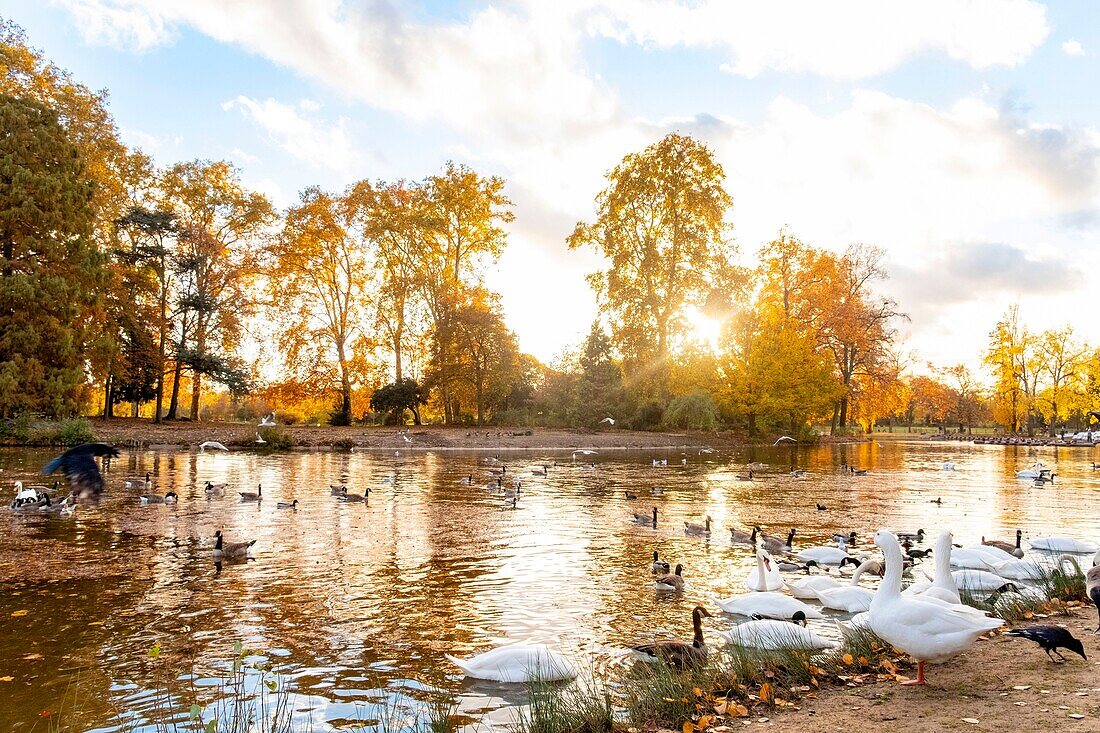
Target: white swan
(978, 580)
(807, 588)
(927, 630)
(993, 553)
(971, 559)
(766, 577)
(519, 662)
(772, 634)
(1019, 570)
(767, 605)
(824, 554)
(1063, 544)
(943, 583)
(851, 597)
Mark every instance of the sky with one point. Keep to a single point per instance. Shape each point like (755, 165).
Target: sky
(961, 136)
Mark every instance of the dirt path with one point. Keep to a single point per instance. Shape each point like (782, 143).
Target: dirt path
(1002, 684)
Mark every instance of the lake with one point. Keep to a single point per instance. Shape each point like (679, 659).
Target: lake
(356, 604)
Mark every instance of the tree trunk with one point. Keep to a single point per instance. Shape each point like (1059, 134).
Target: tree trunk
(160, 354)
(832, 423)
(196, 379)
(397, 356)
(345, 386)
(107, 396)
(173, 404)
(479, 387)
(843, 419)
(752, 423)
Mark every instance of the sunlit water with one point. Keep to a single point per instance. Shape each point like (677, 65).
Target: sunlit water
(359, 603)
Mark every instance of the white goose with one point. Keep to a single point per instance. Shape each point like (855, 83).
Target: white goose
(943, 583)
(773, 634)
(850, 598)
(519, 662)
(1063, 544)
(766, 577)
(766, 605)
(927, 630)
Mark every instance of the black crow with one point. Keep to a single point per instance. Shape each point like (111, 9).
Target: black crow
(1051, 638)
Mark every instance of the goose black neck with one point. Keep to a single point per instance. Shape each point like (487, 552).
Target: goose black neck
(697, 626)
(218, 544)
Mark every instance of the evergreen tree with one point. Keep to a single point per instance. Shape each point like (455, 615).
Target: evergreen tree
(48, 270)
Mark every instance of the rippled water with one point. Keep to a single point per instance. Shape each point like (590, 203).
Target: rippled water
(356, 603)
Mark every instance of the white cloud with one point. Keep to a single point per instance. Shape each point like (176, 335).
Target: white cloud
(298, 132)
(1073, 48)
(135, 24)
(850, 40)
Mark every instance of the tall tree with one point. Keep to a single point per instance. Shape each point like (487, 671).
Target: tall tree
(1061, 356)
(661, 225)
(221, 223)
(49, 271)
(1006, 357)
(322, 299)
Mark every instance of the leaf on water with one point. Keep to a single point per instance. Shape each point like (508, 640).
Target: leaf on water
(22, 612)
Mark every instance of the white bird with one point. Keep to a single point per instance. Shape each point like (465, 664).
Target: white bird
(260, 440)
(773, 634)
(824, 555)
(583, 452)
(850, 598)
(927, 630)
(767, 605)
(405, 437)
(784, 438)
(607, 421)
(995, 554)
(971, 559)
(1017, 569)
(267, 420)
(521, 662)
(765, 577)
(705, 451)
(943, 583)
(212, 445)
(807, 588)
(1062, 544)
(978, 580)
(23, 496)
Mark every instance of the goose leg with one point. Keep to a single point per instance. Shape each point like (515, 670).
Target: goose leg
(920, 676)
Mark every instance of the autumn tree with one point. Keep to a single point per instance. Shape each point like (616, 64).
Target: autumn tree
(322, 300)
(49, 269)
(661, 225)
(1060, 358)
(220, 224)
(1007, 359)
(966, 391)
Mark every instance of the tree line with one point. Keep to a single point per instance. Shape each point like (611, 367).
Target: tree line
(177, 292)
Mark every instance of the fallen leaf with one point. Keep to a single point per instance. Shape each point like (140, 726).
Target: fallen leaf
(1076, 716)
(972, 721)
(705, 722)
(6, 678)
(1021, 687)
(31, 657)
(721, 706)
(766, 694)
(737, 711)
(688, 727)
(22, 612)
(848, 659)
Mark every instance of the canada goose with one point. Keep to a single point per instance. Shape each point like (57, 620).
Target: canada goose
(677, 653)
(169, 498)
(630, 496)
(511, 492)
(231, 550)
(212, 488)
(146, 484)
(673, 581)
(1014, 550)
(538, 472)
(337, 490)
(847, 539)
(747, 477)
(695, 528)
(774, 544)
(287, 504)
(353, 498)
(798, 472)
(659, 566)
(821, 507)
(250, 496)
(739, 537)
(467, 480)
(647, 519)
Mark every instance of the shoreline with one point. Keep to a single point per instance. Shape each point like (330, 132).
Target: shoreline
(142, 433)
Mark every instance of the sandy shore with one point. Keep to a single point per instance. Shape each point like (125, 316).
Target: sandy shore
(126, 431)
(1000, 684)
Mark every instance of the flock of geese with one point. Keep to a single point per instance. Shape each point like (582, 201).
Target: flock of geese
(926, 619)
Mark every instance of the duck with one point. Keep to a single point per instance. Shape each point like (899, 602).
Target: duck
(849, 598)
(658, 565)
(676, 653)
(287, 504)
(943, 583)
(917, 536)
(744, 477)
(516, 664)
(649, 520)
(695, 528)
(775, 634)
(337, 490)
(354, 498)
(846, 539)
(1014, 550)
(1063, 544)
(766, 604)
(977, 580)
(774, 544)
(673, 581)
(630, 496)
(169, 498)
(765, 577)
(258, 495)
(824, 555)
(231, 550)
(740, 537)
(927, 630)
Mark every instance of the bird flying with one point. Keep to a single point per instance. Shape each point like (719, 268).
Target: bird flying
(784, 439)
(607, 421)
(212, 445)
(81, 469)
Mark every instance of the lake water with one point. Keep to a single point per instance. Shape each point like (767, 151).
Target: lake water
(357, 603)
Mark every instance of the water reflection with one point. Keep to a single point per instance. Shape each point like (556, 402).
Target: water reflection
(359, 602)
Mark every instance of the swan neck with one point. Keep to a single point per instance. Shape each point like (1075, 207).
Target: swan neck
(943, 560)
(1072, 561)
(891, 584)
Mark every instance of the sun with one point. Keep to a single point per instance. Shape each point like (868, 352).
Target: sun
(704, 329)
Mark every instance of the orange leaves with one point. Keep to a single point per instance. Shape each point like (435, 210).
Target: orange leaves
(767, 695)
